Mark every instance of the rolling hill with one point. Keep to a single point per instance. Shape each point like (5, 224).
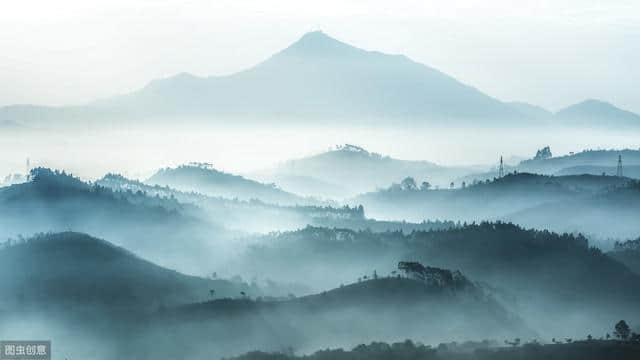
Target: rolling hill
(597, 113)
(73, 268)
(539, 275)
(347, 316)
(494, 199)
(170, 233)
(202, 178)
(355, 170)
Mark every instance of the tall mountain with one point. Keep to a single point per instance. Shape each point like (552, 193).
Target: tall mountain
(598, 113)
(352, 169)
(316, 77)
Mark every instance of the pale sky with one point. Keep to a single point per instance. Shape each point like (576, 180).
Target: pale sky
(550, 53)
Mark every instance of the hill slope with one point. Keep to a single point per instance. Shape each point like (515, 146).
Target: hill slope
(207, 180)
(485, 200)
(597, 113)
(65, 268)
(356, 170)
(160, 229)
(348, 315)
(540, 275)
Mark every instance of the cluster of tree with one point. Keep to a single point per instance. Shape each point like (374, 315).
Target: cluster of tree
(543, 154)
(409, 350)
(433, 276)
(627, 245)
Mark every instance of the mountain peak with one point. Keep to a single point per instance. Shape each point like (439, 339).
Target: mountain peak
(318, 43)
(598, 112)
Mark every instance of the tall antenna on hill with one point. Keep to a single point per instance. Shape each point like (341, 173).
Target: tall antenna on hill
(619, 170)
(501, 169)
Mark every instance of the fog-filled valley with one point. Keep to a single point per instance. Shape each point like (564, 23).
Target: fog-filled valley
(328, 202)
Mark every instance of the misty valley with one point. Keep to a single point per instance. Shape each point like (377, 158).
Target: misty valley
(199, 218)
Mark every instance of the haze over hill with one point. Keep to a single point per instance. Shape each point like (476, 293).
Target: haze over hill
(539, 273)
(163, 230)
(205, 179)
(350, 169)
(590, 204)
(63, 269)
(597, 113)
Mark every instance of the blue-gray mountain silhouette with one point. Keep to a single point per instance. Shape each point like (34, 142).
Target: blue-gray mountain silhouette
(597, 113)
(317, 76)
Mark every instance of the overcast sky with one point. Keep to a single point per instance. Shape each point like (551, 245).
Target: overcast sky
(550, 53)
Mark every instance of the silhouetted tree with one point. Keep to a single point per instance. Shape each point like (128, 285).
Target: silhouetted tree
(409, 184)
(544, 153)
(622, 330)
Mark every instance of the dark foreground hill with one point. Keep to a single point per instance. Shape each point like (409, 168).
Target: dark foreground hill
(74, 269)
(390, 308)
(408, 350)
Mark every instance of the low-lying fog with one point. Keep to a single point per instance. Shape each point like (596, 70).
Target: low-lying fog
(137, 150)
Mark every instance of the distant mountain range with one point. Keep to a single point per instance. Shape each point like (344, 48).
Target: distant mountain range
(321, 79)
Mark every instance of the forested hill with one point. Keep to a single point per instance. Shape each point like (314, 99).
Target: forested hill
(608, 158)
(492, 199)
(205, 179)
(545, 271)
(73, 268)
(158, 228)
(610, 214)
(483, 350)
(353, 312)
